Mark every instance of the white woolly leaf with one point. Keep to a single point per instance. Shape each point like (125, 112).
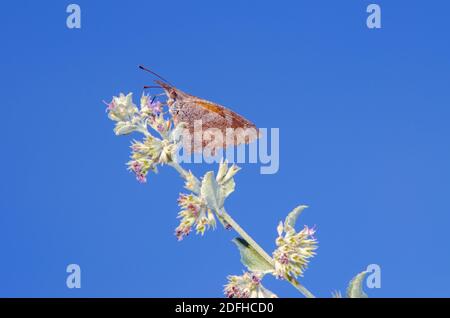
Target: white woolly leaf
(211, 192)
(292, 217)
(355, 287)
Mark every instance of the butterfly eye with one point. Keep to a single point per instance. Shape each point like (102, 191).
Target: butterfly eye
(173, 94)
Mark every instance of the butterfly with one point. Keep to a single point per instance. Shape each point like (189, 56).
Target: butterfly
(226, 126)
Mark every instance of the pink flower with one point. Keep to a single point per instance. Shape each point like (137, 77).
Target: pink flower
(109, 106)
(182, 231)
(156, 107)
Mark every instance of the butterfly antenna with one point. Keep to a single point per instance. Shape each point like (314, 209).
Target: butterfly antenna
(147, 87)
(151, 72)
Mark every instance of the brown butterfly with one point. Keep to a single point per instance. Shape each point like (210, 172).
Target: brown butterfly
(227, 127)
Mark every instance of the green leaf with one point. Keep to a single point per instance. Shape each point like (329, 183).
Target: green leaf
(293, 216)
(355, 287)
(250, 258)
(211, 192)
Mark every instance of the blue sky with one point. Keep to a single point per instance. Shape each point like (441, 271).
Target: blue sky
(363, 117)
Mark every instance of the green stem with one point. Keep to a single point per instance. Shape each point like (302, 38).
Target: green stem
(300, 287)
(248, 238)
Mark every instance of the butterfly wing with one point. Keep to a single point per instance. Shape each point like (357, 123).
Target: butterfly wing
(220, 126)
(207, 118)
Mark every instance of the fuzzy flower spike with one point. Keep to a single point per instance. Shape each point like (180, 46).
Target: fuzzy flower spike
(247, 286)
(294, 249)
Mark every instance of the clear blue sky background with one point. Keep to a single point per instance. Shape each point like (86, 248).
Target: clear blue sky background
(364, 127)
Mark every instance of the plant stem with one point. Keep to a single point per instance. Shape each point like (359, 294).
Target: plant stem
(300, 287)
(179, 168)
(248, 238)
